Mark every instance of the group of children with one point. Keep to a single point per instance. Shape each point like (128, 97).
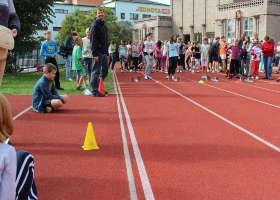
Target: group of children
(240, 59)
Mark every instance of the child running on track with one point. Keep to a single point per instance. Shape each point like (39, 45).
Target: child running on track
(204, 57)
(172, 56)
(148, 53)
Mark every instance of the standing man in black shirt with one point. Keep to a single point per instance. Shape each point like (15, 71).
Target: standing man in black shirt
(99, 48)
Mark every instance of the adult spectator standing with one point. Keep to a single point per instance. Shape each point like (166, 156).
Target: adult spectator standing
(240, 42)
(99, 48)
(69, 45)
(268, 52)
(87, 55)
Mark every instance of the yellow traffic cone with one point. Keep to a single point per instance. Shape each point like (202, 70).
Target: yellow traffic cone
(90, 141)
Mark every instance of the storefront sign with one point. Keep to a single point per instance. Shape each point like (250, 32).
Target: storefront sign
(153, 10)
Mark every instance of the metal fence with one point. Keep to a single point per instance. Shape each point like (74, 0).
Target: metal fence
(34, 59)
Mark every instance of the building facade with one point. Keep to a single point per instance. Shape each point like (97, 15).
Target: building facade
(160, 26)
(194, 19)
(129, 10)
(61, 9)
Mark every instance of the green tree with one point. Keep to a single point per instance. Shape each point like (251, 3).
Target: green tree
(79, 22)
(32, 14)
(125, 33)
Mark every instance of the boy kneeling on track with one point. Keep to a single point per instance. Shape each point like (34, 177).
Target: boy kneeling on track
(44, 96)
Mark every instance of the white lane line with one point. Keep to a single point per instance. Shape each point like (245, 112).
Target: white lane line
(21, 113)
(226, 120)
(131, 182)
(259, 101)
(140, 163)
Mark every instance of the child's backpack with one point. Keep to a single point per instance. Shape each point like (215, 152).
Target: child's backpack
(213, 48)
(62, 51)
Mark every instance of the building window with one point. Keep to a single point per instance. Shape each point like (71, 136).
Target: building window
(210, 35)
(146, 16)
(56, 28)
(150, 30)
(133, 16)
(41, 28)
(248, 26)
(122, 15)
(86, 12)
(140, 34)
(230, 30)
(61, 11)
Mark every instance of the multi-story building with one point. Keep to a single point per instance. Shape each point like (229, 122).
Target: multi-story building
(194, 19)
(129, 10)
(64, 8)
(160, 27)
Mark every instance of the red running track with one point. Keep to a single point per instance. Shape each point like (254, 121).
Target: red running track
(188, 153)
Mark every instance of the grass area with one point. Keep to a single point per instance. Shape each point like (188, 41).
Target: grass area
(20, 83)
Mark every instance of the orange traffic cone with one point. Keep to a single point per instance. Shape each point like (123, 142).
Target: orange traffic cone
(101, 86)
(90, 140)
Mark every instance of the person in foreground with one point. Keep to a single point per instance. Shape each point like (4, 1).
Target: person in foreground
(16, 168)
(8, 19)
(45, 97)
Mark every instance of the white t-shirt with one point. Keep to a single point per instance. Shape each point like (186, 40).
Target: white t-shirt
(8, 165)
(129, 49)
(257, 52)
(278, 50)
(86, 47)
(112, 49)
(149, 45)
(164, 50)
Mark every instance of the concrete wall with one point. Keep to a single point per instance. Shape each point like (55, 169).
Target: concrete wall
(160, 26)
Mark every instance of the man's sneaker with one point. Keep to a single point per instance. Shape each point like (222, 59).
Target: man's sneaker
(256, 77)
(167, 77)
(97, 94)
(146, 77)
(69, 79)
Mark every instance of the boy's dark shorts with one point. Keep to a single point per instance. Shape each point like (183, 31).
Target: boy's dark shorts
(47, 103)
(215, 58)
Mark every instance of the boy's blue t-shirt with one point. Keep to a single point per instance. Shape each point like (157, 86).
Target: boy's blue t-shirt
(48, 49)
(172, 49)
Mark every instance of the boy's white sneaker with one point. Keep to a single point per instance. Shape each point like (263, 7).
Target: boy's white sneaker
(167, 77)
(256, 77)
(146, 77)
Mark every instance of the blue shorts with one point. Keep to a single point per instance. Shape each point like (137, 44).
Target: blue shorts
(88, 63)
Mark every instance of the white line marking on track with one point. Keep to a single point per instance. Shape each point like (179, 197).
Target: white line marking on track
(21, 113)
(226, 120)
(131, 182)
(140, 163)
(259, 101)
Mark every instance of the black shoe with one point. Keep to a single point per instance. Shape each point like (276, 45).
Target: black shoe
(60, 88)
(79, 88)
(97, 94)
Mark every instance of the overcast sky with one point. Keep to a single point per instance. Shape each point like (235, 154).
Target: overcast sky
(163, 1)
